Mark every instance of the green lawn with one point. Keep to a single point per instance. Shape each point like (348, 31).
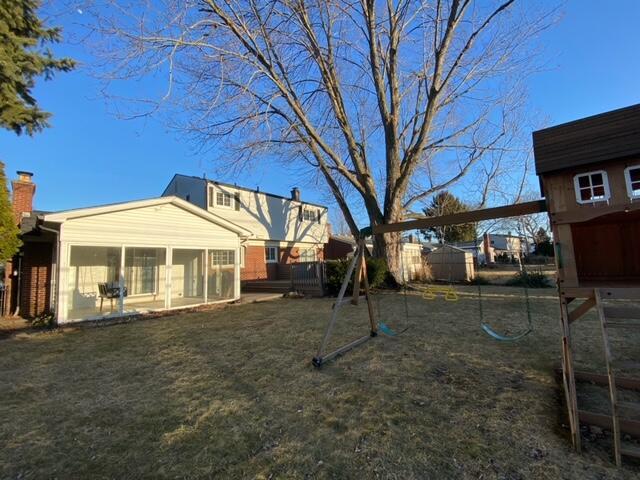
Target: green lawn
(231, 393)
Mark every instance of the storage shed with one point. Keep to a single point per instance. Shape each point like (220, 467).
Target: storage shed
(451, 264)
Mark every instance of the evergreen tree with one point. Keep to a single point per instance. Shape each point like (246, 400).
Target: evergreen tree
(543, 243)
(9, 241)
(445, 203)
(23, 57)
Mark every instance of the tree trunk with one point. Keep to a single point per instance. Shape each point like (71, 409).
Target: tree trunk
(387, 246)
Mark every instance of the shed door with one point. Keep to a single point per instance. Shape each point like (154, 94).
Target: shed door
(608, 248)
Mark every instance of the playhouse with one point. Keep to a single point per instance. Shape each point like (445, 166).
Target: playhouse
(589, 172)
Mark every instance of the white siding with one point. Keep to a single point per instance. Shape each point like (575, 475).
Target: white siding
(149, 226)
(272, 218)
(166, 225)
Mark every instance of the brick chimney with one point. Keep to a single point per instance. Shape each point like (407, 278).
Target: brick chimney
(23, 191)
(488, 249)
(295, 194)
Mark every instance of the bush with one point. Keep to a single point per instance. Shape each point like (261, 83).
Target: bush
(336, 270)
(524, 278)
(479, 280)
(45, 320)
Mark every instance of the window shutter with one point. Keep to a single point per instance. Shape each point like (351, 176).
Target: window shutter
(319, 215)
(237, 199)
(300, 213)
(211, 197)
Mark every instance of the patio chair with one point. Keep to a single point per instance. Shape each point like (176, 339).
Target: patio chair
(110, 292)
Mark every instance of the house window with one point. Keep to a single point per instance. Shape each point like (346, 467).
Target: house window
(592, 187)
(223, 199)
(271, 254)
(308, 255)
(309, 215)
(632, 176)
(222, 257)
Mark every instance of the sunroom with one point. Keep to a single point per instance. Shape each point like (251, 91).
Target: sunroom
(142, 256)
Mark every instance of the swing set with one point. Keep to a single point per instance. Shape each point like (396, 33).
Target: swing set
(358, 269)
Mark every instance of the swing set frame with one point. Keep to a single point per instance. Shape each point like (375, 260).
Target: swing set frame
(359, 265)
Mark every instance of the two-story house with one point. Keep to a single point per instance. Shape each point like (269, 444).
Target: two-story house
(284, 230)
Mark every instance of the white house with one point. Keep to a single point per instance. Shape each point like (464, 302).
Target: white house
(140, 256)
(284, 230)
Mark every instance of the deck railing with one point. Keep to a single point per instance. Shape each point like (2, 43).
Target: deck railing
(308, 277)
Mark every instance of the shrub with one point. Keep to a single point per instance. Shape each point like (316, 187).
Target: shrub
(479, 280)
(524, 278)
(336, 270)
(44, 320)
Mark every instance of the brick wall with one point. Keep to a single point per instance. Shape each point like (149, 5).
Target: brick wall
(255, 267)
(22, 201)
(35, 288)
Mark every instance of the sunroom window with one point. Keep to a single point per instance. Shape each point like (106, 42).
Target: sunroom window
(592, 187)
(632, 176)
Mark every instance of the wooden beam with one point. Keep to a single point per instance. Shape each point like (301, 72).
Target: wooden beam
(583, 308)
(589, 213)
(576, 292)
(627, 383)
(632, 427)
(620, 293)
(527, 208)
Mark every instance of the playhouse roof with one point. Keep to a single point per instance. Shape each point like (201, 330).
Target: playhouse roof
(607, 136)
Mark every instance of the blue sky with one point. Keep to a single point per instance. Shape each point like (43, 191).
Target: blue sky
(90, 157)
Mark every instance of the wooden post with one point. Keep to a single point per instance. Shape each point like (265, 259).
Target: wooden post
(568, 377)
(334, 314)
(372, 318)
(358, 275)
(613, 394)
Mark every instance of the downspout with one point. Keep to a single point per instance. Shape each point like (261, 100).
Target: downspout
(57, 272)
(18, 274)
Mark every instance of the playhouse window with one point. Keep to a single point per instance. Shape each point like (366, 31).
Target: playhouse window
(632, 175)
(592, 187)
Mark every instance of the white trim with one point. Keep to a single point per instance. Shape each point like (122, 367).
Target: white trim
(627, 178)
(60, 217)
(577, 188)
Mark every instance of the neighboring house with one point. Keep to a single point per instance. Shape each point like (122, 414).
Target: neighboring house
(120, 259)
(507, 244)
(284, 230)
(492, 245)
(339, 247)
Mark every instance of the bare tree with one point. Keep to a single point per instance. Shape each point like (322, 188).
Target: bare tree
(387, 102)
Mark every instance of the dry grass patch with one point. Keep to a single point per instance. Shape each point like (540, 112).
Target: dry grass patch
(232, 393)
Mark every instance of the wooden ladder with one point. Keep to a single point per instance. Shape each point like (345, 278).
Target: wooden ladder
(623, 317)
